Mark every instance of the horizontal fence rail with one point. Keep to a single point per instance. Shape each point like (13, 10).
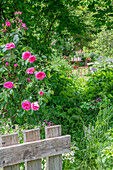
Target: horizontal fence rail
(33, 149)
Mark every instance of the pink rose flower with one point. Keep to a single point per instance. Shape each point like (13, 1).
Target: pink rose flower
(20, 12)
(15, 65)
(8, 24)
(41, 93)
(20, 20)
(26, 55)
(6, 63)
(16, 13)
(30, 70)
(28, 79)
(31, 58)
(10, 46)
(26, 105)
(8, 85)
(45, 121)
(49, 123)
(40, 75)
(35, 106)
(23, 25)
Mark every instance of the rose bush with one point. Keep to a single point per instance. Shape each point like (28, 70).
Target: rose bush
(19, 71)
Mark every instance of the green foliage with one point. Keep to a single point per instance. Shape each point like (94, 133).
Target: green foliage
(107, 152)
(92, 55)
(62, 105)
(103, 43)
(100, 84)
(93, 142)
(46, 19)
(101, 12)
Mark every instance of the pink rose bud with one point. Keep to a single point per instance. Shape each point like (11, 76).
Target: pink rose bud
(20, 12)
(30, 70)
(20, 20)
(49, 123)
(31, 58)
(15, 65)
(40, 75)
(2, 24)
(26, 55)
(6, 63)
(8, 85)
(10, 46)
(26, 105)
(41, 93)
(28, 79)
(45, 121)
(8, 24)
(35, 106)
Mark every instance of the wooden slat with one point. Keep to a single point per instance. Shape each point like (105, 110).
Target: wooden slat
(29, 136)
(53, 162)
(11, 167)
(8, 140)
(52, 131)
(34, 150)
(34, 165)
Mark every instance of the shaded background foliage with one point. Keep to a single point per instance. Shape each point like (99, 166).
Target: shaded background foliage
(44, 18)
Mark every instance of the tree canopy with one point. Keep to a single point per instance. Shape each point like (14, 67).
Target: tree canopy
(45, 18)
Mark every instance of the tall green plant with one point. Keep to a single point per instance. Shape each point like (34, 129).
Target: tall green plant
(94, 141)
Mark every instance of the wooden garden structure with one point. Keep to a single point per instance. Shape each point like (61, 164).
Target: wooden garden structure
(34, 149)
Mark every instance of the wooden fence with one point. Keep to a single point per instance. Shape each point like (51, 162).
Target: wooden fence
(34, 149)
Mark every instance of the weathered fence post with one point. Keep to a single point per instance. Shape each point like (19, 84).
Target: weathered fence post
(29, 136)
(8, 140)
(0, 140)
(53, 162)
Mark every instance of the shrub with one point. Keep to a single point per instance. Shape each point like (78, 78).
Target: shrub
(100, 84)
(62, 107)
(19, 93)
(103, 43)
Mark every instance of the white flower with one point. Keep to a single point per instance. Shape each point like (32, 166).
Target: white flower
(97, 63)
